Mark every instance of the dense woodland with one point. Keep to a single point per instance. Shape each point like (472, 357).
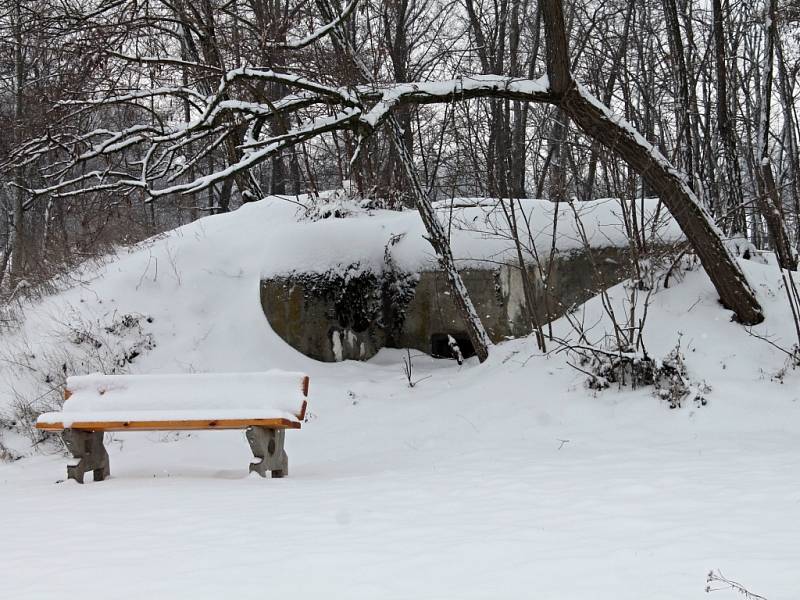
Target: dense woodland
(128, 117)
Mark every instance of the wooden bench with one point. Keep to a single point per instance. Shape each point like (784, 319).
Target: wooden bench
(264, 404)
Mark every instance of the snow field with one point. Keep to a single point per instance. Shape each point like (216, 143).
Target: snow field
(508, 479)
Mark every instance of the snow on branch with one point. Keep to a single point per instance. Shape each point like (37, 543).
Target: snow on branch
(317, 34)
(362, 109)
(463, 88)
(339, 94)
(316, 127)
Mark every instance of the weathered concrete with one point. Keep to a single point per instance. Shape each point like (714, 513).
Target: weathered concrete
(334, 317)
(267, 446)
(87, 447)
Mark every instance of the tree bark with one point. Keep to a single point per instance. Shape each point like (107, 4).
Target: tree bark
(393, 184)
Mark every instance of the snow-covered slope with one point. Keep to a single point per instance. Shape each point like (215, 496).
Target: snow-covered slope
(188, 300)
(508, 479)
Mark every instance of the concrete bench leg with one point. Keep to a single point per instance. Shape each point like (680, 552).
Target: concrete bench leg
(87, 447)
(267, 445)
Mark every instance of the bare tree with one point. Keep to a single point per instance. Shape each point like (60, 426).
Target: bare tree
(771, 207)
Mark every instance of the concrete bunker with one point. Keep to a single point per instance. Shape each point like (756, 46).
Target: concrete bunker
(352, 313)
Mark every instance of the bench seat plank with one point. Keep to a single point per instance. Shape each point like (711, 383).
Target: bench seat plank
(170, 425)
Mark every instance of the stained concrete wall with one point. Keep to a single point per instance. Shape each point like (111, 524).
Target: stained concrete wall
(332, 317)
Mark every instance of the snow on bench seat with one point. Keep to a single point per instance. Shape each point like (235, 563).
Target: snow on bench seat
(272, 399)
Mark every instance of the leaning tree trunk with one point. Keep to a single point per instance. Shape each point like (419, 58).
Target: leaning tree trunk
(437, 236)
(671, 185)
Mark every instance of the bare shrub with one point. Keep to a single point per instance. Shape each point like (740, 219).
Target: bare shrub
(716, 581)
(673, 384)
(669, 376)
(76, 345)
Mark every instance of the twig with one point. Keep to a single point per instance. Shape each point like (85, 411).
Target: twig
(408, 369)
(717, 576)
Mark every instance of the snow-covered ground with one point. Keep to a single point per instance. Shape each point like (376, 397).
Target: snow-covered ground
(509, 479)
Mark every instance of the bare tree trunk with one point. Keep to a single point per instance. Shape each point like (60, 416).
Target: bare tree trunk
(684, 137)
(608, 92)
(735, 199)
(491, 51)
(204, 24)
(769, 199)
(673, 189)
(790, 135)
(395, 17)
(557, 190)
(18, 243)
(518, 147)
(277, 182)
(4, 266)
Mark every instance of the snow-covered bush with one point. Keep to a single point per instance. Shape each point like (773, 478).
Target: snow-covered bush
(741, 246)
(669, 376)
(343, 203)
(673, 384)
(77, 345)
(605, 368)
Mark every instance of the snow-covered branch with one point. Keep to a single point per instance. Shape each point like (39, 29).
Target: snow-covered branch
(363, 109)
(317, 34)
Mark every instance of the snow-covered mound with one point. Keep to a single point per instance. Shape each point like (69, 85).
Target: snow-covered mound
(187, 301)
(479, 234)
(508, 479)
